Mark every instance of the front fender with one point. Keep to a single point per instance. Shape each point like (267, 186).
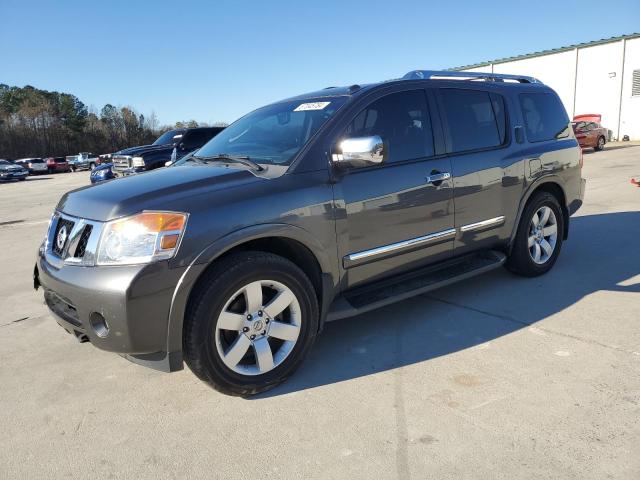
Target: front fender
(328, 266)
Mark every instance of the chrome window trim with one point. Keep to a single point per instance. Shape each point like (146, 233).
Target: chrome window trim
(365, 256)
(489, 223)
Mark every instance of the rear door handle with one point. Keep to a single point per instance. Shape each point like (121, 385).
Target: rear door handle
(438, 177)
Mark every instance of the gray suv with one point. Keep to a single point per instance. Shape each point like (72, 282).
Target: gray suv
(313, 209)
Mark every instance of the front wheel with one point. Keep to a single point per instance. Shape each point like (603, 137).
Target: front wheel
(250, 323)
(539, 237)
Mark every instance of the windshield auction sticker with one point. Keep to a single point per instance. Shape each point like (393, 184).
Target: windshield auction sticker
(311, 106)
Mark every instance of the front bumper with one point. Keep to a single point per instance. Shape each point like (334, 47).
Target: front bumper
(13, 175)
(124, 172)
(134, 302)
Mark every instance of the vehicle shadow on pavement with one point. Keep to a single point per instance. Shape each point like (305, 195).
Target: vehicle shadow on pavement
(601, 254)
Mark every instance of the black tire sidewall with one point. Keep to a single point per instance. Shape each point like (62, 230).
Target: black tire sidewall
(216, 293)
(520, 261)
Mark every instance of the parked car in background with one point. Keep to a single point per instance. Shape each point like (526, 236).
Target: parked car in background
(315, 208)
(57, 165)
(170, 146)
(589, 132)
(101, 173)
(12, 171)
(33, 165)
(82, 161)
(104, 158)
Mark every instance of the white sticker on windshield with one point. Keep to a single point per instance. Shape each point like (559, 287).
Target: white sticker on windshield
(311, 106)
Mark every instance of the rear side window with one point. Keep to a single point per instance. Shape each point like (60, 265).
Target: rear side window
(544, 117)
(402, 120)
(476, 119)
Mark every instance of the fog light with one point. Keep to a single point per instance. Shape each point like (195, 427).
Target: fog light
(99, 324)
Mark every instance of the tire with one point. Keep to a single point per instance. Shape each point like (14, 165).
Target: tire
(73, 169)
(600, 145)
(49, 170)
(208, 346)
(522, 259)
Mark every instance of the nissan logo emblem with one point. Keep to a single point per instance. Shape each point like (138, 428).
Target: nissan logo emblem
(61, 238)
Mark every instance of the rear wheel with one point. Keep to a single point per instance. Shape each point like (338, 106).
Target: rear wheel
(600, 145)
(539, 237)
(250, 323)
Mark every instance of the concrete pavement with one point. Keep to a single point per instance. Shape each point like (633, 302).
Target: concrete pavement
(496, 377)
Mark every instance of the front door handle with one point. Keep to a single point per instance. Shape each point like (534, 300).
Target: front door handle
(437, 177)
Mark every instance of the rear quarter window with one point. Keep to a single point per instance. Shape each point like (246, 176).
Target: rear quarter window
(544, 117)
(475, 119)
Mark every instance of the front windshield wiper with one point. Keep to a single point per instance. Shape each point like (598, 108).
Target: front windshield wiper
(223, 157)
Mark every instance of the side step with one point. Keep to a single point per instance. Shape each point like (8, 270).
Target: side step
(393, 290)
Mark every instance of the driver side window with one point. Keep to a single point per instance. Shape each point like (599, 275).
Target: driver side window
(402, 121)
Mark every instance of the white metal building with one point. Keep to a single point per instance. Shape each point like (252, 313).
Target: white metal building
(602, 77)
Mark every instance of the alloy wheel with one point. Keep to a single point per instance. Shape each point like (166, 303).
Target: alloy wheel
(258, 327)
(543, 235)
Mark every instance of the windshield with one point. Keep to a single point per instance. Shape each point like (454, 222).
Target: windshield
(273, 134)
(172, 136)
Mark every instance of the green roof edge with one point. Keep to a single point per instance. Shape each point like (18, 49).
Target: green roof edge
(548, 52)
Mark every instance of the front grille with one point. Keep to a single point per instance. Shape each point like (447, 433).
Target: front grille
(121, 162)
(82, 243)
(59, 244)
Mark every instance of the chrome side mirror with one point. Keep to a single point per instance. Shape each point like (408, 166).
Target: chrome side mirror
(360, 152)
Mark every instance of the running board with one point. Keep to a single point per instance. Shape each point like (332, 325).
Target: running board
(386, 292)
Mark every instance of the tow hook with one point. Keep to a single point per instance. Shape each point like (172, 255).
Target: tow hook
(36, 278)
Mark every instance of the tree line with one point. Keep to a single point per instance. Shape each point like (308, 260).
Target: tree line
(39, 123)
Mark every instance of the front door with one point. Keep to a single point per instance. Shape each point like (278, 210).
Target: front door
(398, 215)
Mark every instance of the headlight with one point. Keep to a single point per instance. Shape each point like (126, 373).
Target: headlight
(142, 238)
(137, 162)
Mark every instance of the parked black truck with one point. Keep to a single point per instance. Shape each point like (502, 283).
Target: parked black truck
(313, 209)
(170, 146)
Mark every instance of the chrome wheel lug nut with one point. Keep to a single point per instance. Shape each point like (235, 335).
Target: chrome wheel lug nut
(245, 329)
(266, 321)
(253, 337)
(264, 332)
(249, 317)
(259, 313)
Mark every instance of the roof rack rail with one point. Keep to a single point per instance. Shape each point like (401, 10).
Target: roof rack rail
(488, 77)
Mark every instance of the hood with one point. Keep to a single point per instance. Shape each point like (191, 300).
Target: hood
(10, 168)
(161, 189)
(137, 151)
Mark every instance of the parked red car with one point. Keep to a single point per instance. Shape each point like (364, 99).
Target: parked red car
(589, 132)
(57, 165)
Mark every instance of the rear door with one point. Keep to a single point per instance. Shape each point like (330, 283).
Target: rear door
(487, 177)
(396, 218)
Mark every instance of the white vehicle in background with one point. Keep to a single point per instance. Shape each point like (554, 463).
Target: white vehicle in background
(82, 161)
(34, 165)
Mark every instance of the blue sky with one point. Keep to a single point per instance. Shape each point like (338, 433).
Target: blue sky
(216, 60)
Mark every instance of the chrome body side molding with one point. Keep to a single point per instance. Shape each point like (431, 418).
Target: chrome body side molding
(484, 224)
(366, 256)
